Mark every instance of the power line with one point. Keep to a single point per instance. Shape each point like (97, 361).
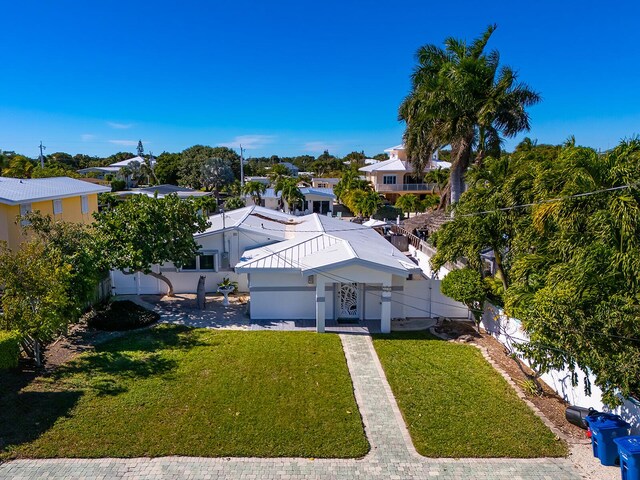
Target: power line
(550, 200)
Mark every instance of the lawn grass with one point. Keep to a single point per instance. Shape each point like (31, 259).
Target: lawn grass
(175, 391)
(456, 405)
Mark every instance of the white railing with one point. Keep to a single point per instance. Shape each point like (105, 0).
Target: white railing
(405, 187)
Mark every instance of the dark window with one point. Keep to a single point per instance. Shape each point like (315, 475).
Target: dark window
(207, 262)
(190, 265)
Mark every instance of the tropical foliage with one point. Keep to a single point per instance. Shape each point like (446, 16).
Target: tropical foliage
(233, 203)
(564, 227)
(462, 97)
(466, 286)
(146, 231)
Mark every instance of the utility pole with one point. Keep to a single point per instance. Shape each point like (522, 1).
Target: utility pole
(41, 157)
(241, 166)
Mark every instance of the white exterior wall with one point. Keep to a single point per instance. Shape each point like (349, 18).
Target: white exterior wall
(187, 281)
(509, 332)
(423, 263)
(282, 296)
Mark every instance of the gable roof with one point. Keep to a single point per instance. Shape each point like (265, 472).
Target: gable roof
(391, 165)
(14, 191)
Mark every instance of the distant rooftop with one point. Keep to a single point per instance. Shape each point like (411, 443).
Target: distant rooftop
(14, 191)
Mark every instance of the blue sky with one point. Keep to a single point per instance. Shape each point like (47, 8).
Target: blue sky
(293, 77)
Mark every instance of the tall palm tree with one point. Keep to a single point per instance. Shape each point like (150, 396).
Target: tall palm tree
(255, 190)
(461, 98)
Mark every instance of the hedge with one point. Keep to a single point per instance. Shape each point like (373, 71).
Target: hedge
(9, 349)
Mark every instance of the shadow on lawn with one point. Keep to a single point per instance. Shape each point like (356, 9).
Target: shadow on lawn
(25, 415)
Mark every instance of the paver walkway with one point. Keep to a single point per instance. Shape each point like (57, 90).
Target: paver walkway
(392, 455)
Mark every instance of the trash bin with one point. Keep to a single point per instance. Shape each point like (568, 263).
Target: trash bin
(629, 450)
(604, 428)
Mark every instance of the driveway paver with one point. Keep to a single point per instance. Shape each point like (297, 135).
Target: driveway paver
(392, 455)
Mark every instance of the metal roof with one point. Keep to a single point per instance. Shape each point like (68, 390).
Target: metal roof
(14, 191)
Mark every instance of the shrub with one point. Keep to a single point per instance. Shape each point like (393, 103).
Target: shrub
(121, 315)
(118, 185)
(9, 349)
(388, 212)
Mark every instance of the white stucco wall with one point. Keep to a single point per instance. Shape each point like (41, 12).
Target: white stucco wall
(281, 295)
(509, 332)
(187, 281)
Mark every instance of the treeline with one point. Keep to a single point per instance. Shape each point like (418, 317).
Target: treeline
(180, 168)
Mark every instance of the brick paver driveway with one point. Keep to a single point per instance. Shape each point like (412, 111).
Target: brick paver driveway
(392, 454)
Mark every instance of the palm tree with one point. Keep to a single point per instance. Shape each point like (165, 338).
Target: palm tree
(19, 167)
(366, 204)
(350, 181)
(290, 193)
(214, 174)
(255, 190)
(461, 98)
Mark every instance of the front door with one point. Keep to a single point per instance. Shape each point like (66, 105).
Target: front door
(348, 302)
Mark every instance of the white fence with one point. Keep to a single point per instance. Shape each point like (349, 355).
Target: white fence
(510, 333)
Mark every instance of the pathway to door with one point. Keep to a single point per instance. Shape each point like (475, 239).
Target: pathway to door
(392, 455)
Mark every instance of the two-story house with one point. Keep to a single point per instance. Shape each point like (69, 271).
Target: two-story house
(395, 177)
(62, 198)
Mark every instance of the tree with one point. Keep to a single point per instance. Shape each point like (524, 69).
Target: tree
(147, 169)
(194, 158)
(569, 265)
(466, 286)
(364, 203)
(460, 97)
(216, 173)
(19, 167)
(290, 193)
(254, 189)
(35, 302)
(350, 181)
(146, 231)
(233, 203)
(409, 203)
(167, 168)
(53, 170)
(277, 172)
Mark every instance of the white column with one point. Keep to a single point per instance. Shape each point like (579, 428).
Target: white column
(385, 314)
(320, 303)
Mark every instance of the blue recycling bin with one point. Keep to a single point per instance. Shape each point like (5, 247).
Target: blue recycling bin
(629, 450)
(605, 427)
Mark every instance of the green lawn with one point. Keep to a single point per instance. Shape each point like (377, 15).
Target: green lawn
(175, 391)
(456, 405)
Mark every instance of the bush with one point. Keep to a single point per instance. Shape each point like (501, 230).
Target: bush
(388, 212)
(9, 349)
(118, 185)
(121, 315)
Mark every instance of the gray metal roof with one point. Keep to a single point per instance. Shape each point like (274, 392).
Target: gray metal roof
(14, 191)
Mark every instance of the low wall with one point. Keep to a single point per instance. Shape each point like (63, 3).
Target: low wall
(509, 332)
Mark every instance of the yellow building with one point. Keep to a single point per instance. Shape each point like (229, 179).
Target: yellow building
(62, 198)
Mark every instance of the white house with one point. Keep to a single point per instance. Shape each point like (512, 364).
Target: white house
(310, 267)
(114, 168)
(316, 200)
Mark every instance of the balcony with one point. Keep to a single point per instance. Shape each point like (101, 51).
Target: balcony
(405, 187)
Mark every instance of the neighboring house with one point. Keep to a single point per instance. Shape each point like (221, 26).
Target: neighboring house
(324, 182)
(312, 267)
(62, 198)
(316, 200)
(113, 169)
(395, 177)
(263, 180)
(164, 190)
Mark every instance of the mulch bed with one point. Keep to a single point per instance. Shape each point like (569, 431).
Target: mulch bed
(121, 315)
(549, 402)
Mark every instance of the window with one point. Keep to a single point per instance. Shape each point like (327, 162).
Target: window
(207, 261)
(389, 180)
(191, 264)
(24, 209)
(85, 203)
(57, 207)
(204, 261)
